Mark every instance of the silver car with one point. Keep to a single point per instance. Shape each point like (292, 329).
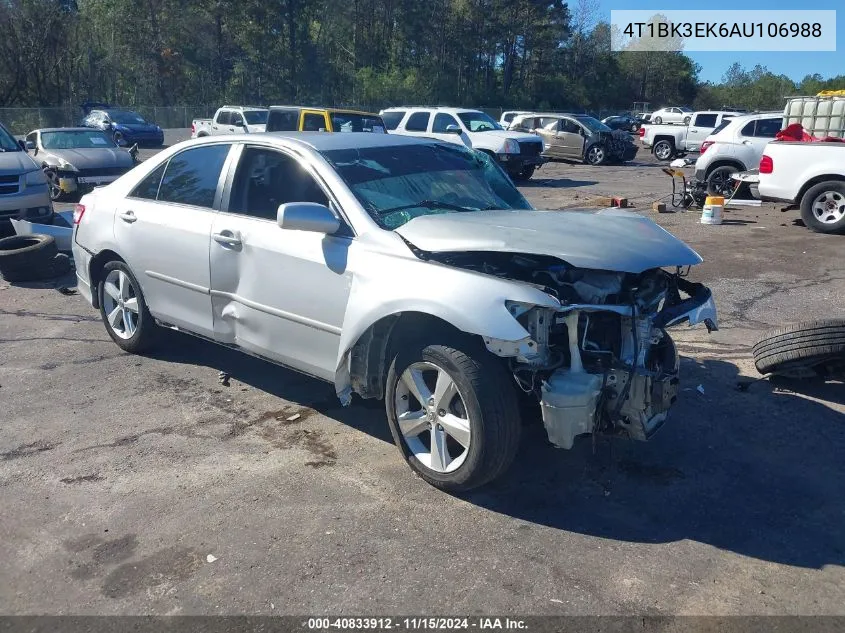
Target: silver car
(75, 160)
(402, 269)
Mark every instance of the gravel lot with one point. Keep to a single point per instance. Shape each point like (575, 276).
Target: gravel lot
(121, 474)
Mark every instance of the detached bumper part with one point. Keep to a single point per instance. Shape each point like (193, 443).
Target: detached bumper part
(647, 404)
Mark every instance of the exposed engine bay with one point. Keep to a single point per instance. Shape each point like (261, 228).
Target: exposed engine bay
(602, 362)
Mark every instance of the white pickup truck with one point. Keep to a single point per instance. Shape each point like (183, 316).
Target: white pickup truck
(668, 141)
(809, 174)
(231, 120)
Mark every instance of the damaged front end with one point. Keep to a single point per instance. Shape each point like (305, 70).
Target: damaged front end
(602, 362)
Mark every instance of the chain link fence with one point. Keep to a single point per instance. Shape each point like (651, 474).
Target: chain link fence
(21, 121)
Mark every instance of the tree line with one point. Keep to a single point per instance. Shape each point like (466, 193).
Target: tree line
(538, 54)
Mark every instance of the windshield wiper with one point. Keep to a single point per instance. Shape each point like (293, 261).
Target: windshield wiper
(431, 204)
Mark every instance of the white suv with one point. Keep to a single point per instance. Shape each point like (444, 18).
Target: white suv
(518, 153)
(736, 146)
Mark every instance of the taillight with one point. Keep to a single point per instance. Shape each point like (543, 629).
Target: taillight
(78, 212)
(193, 128)
(704, 146)
(767, 165)
(642, 131)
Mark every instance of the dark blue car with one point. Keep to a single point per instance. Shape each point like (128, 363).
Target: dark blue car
(127, 127)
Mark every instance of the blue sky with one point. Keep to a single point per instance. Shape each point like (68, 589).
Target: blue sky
(713, 64)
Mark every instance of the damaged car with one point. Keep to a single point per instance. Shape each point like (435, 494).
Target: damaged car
(578, 137)
(75, 160)
(401, 269)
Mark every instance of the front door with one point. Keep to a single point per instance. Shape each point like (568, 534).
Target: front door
(571, 140)
(314, 121)
(278, 293)
(162, 230)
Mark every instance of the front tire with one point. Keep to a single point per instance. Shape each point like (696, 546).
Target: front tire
(124, 310)
(596, 155)
(823, 207)
(525, 173)
(453, 413)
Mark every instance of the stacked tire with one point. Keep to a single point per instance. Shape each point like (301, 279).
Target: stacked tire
(31, 258)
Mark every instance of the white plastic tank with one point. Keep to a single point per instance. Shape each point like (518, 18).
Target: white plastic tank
(820, 116)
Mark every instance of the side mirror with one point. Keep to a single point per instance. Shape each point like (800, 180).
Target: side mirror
(453, 129)
(307, 216)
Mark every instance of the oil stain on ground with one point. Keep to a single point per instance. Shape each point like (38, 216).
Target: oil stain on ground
(164, 567)
(25, 450)
(81, 479)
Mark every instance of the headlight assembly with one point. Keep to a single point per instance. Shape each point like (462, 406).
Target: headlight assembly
(35, 178)
(510, 147)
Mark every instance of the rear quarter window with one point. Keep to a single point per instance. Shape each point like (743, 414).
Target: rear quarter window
(393, 119)
(418, 122)
(191, 176)
(705, 120)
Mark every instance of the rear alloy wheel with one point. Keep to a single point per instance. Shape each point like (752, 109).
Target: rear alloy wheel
(658, 120)
(686, 120)
(123, 309)
(664, 150)
(720, 183)
(596, 154)
(453, 414)
(823, 207)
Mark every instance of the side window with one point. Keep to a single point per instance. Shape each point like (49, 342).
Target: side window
(550, 125)
(705, 120)
(147, 189)
(191, 176)
(224, 117)
(237, 119)
(283, 121)
(566, 125)
(442, 121)
(748, 130)
(313, 122)
(32, 137)
(266, 179)
(393, 119)
(768, 128)
(418, 122)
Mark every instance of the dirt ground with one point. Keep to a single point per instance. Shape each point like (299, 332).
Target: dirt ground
(142, 485)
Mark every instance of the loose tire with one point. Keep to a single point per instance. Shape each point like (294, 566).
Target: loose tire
(595, 154)
(23, 257)
(123, 309)
(453, 413)
(814, 348)
(664, 150)
(823, 207)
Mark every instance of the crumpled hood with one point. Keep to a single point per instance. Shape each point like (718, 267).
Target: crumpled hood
(16, 163)
(90, 158)
(605, 240)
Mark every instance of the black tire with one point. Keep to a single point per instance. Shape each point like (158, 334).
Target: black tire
(687, 120)
(145, 330)
(488, 395)
(634, 128)
(803, 350)
(664, 150)
(21, 256)
(820, 216)
(658, 120)
(525, 173)
(719, 182)
(595, 154)
(119, 139)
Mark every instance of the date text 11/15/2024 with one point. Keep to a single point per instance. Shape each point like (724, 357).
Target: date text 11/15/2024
(414, 623)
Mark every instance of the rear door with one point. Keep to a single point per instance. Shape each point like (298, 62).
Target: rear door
(221, 122)
(416, 124)
(278, 293)
(163, 229)
(571, 140)
(754, 137)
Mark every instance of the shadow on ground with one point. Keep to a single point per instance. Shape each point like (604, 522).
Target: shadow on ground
(557, 183)
(757, 472)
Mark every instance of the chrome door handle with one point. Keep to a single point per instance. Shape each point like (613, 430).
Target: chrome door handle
(227, 238)
(128, 217)
(746, 142)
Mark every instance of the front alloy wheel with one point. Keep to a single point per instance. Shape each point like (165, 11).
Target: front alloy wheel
(53, 184)
(453, 413)
(596, 155)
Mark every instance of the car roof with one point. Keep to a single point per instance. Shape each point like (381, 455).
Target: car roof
(321, 109)
(324, 141)
(446, 109)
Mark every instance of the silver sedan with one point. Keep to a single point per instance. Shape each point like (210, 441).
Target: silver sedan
(401, 269)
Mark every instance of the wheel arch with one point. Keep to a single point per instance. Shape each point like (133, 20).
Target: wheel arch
(723, 162)
(816, 180)
(95, 271)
